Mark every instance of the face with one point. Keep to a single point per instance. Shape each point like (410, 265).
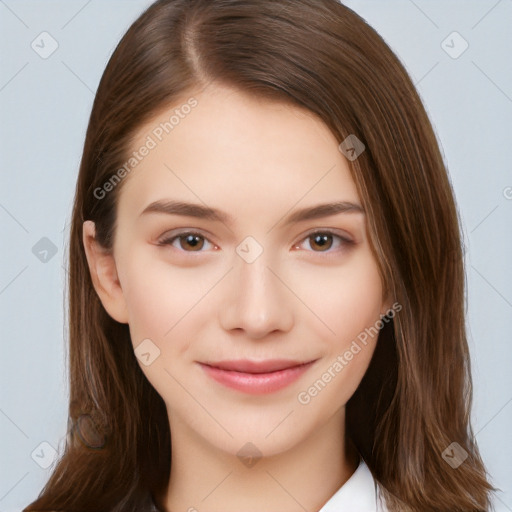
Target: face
(241, 318)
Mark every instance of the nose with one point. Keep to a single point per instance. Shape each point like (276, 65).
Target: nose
(256, 300)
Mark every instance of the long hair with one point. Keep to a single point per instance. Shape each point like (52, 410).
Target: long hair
(415, 398)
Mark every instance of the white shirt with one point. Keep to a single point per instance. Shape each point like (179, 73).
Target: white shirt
(359, 493)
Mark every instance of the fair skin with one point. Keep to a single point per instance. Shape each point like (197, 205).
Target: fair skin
(303, 298)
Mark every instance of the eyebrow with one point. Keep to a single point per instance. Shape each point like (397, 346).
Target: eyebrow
(198, 211)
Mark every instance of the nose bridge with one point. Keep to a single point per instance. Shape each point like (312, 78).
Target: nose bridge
(257, 300)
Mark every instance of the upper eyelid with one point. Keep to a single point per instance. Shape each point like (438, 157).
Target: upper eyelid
(347, 238)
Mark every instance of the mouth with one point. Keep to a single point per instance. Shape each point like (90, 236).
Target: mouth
(256, 377)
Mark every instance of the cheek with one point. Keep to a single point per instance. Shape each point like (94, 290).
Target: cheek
(351, 307)
(157, 296)
(163, 304)
(345, 300)
(354, 308)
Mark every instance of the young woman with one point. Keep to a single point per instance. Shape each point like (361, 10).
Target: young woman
(266, 304)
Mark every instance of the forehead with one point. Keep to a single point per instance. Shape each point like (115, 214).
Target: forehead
(236, 152)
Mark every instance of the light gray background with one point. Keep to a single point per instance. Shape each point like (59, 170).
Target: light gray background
(45, 104)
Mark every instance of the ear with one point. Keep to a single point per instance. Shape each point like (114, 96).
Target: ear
(104, 276)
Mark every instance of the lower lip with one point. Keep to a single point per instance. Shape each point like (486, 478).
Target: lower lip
(256, 383)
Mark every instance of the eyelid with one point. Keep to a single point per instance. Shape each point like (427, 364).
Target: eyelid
(345, 239)
(170, 237)
(330, 231)
(346, 242)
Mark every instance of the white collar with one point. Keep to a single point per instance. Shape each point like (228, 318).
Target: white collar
(359, 493)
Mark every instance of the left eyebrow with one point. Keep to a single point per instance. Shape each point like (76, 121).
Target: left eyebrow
(170, 207)
(325, 210)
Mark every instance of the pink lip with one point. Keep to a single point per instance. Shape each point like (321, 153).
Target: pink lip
(256, 377)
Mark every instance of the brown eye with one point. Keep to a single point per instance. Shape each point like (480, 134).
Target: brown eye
(196, 242)
(321, 240)
(324, 241)
(187, 242)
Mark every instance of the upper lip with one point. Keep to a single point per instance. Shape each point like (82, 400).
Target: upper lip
(248, 366)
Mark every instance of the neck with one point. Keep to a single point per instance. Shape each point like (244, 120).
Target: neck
(305, 477)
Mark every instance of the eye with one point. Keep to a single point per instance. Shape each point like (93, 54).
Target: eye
(323, 240)
(194, 241)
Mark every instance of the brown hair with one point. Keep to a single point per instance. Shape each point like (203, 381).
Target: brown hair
(415, 398)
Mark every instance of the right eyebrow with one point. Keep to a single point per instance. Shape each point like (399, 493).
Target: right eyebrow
(198, 211)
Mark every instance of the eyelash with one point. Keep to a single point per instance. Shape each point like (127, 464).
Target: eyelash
(344, 241)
